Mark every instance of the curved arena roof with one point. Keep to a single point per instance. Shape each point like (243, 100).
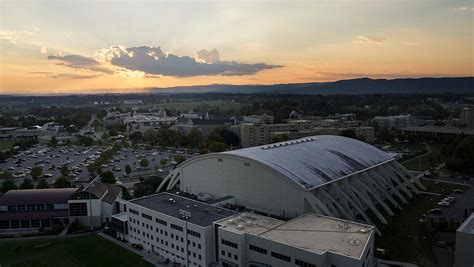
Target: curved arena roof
(314, 161)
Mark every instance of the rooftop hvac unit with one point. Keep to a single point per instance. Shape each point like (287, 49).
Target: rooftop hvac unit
(240, 227)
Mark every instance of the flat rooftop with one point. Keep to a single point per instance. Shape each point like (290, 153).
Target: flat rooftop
(311, 232)
(468, 225)
(202, 214)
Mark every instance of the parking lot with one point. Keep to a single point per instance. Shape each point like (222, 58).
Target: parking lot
(77, 158)
(51, 160)
(462, 203)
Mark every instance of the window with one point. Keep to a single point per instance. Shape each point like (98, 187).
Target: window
(146, 216)
(246, 164)
(196, 234)
(236, 257)
(176, 227)
(258, 249)
(77, 209)
(281, 257)
(304, 264)
(223, 253)
(133, 211)
(228, 243)
(161, 221)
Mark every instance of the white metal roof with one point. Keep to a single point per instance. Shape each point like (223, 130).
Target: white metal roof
(314, 161)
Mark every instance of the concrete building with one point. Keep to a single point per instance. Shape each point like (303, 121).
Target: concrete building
(177, 228)
(255, 134)
(464, 255)
(259, 119)
(310, 240)
(189, 232)
(16, 133)
(395, 122)
(365, 132)
(330, 175)
(467, 117)
(142, 122)
(437, 131)
(205, 126)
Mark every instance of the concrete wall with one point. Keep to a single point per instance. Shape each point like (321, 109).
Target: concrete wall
(253, 185)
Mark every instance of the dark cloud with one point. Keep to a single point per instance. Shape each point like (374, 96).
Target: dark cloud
(152, 60)
(80, 62)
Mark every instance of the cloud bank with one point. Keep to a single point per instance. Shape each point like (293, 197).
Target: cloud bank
(80, 62)
(152, 60)
(368, 40)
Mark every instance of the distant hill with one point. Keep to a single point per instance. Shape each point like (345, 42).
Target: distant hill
(354, 86)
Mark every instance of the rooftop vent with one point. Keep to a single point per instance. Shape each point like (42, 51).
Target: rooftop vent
(240, 227)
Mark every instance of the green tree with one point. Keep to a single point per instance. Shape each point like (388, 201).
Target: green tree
(6, 175)
(107, 177)
(163, 162)
(42, 184)
(179, 158)
(8, 185)
(36, 172)
(144, 162)
(349, 133)
(65, 171)
(217, 147)
(195, 137)
(136, 137)
(26, 184)
(53, 141)
(62, 182)
(128, 169)
(85, 140)
(105, 136)
(151, 136)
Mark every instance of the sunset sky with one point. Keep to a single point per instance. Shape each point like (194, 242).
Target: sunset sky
(91, 46)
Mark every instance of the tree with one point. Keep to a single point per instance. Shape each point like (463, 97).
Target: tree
(8, 185)
(107, 177)
(195, 137)
(6, 175)
(26, 184)
(163, 162)
(144, 162)
(349, 133)
(36, 172)
(62, 182)
(136, 137)
(128, 169)
(151, 136)
(386, 135)
(179, 159)
(216, 147)
(85, 140)
(65, 171)
(42, 184)
(53, 141)
(105, 136)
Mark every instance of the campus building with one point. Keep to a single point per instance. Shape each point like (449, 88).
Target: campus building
(467, 117)
(31, 209)
(190, 232)
(464, 255)
(22, 210)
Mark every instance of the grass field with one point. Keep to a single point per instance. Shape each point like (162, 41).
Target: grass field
(6, 144)
(73, 251)
(406, 238)
(423, 163)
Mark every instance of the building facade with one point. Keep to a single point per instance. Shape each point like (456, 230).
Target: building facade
(464, 255)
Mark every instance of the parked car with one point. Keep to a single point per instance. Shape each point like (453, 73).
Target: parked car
(444, 204)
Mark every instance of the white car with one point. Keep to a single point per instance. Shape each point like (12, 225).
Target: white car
(444, 204)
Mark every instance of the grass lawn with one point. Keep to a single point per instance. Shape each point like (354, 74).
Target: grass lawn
(423, 163)
(74, 251)
(442, 188)
(406, 238)
(6, 144)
